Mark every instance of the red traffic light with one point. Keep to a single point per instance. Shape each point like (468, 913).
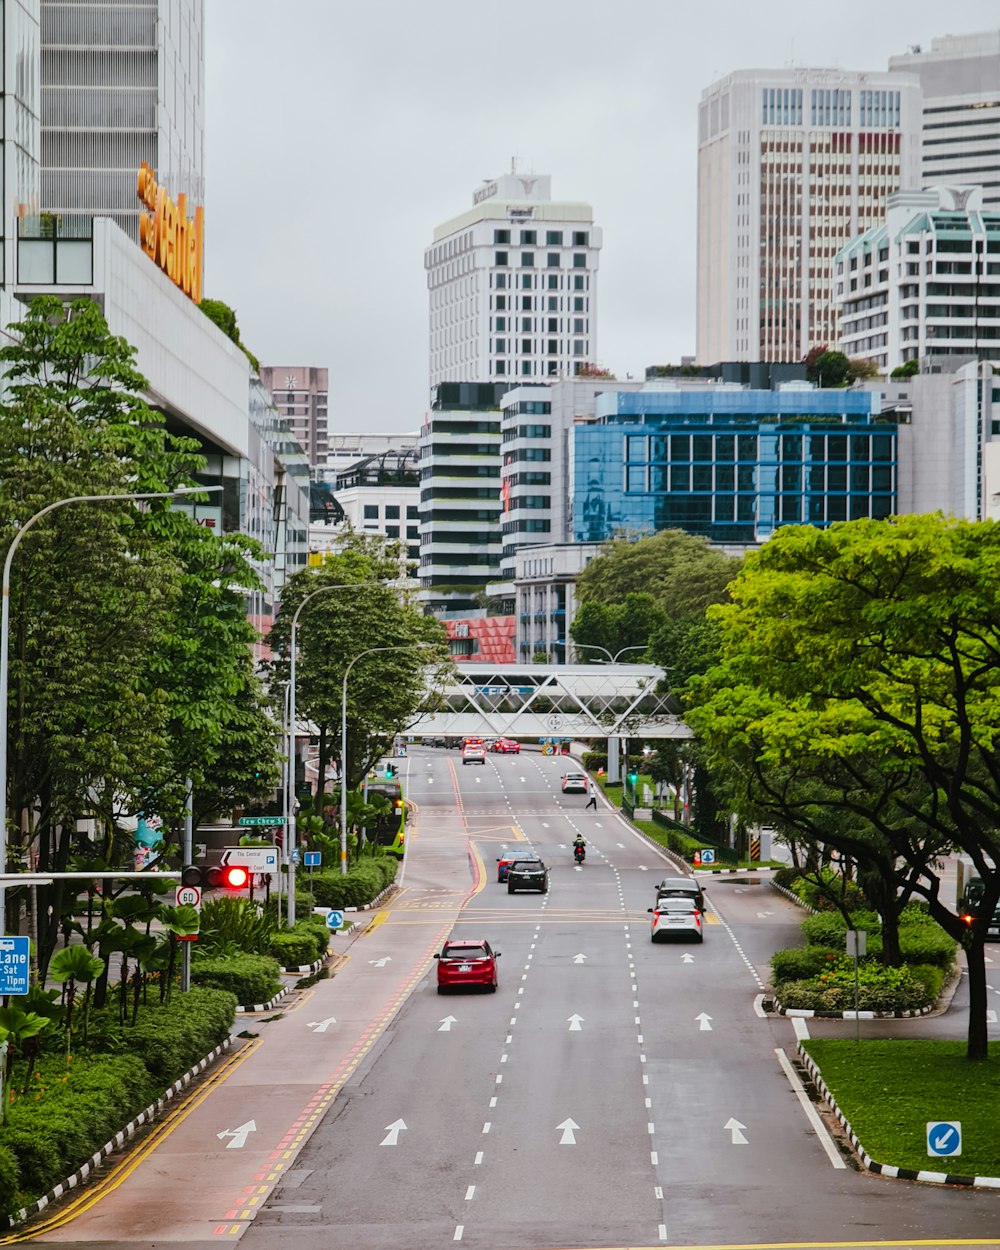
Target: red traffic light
(235, 877)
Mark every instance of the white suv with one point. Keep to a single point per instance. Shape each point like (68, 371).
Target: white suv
(474, 755)
(574, 783)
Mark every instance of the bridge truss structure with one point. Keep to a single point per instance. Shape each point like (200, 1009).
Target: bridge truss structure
(541, 701)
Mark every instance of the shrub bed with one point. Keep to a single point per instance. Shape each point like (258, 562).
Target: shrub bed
(358, 887)
(820, 975)
(252, 978)
(297, 946)
(72, 1108)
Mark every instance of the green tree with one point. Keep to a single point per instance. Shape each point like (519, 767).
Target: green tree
(906, 370)
(683, 572)
(827, 368)
(869, 655)
(615, 627)
(91, 586)
(385, 688)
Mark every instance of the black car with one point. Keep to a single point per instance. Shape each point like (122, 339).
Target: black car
(433, 740)
(528, 874)
(681, 887)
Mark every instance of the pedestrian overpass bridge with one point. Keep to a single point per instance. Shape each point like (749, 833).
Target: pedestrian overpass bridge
(527, 701)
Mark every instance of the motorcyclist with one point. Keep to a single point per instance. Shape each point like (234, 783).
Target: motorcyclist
(579, 845)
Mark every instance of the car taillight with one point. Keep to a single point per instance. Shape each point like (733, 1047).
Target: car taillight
(967, 919)
(697, 912)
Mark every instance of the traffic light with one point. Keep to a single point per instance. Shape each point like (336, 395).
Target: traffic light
(390, 770)
(633, 778)
(235, 877)
(192, 875)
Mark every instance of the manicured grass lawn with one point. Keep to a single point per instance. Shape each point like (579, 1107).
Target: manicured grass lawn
(889, 1090)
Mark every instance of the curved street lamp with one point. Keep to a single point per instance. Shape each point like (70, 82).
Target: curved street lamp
(5, 628)
(291, 830)
(406, 646)
(612, 659)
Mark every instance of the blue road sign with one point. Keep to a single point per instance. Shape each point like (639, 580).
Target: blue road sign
(944, 1138)
(334, 919)
(14, 955)
(707, 856)
(312, 859)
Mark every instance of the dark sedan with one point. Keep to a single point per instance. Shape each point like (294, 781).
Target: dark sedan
(528, 874)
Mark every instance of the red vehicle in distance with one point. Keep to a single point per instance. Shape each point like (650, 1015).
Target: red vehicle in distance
(507, 746)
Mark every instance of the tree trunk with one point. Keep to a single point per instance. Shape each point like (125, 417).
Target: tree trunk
(978, 1040)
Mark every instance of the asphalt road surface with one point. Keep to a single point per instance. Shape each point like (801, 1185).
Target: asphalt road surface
(612, 1093)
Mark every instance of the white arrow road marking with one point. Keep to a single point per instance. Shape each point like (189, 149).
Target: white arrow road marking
(991, 1017)
(321, 1026)
(704, 1023)
(238, 1135)
(739, 889)
(574, 1023)
(446, 1024)
(522, 779)
(392, 1137)
(735, 1127)
(381, 963)
(578, 959)
(687, 959)
(568, 1127)
(762, 914)
(643, 868)
(578, 868)
(942, 1141)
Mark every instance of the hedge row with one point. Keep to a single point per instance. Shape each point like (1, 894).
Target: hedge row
(73, 1108)
(362, 883)
(251, 978)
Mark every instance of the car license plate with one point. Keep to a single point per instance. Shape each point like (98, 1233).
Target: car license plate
(465, 967)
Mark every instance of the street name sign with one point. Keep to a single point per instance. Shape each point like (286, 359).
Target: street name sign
(14, 955)
(263, 859)
(262, 820)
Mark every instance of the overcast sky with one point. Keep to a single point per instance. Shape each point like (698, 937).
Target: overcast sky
(341, 132)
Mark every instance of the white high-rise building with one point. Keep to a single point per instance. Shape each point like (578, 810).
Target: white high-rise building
(960, 78)
(513, 286)
(792, 163)
(122, 83)
(925, 284)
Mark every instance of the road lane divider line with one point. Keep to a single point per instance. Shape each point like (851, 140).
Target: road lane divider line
(812, 1115)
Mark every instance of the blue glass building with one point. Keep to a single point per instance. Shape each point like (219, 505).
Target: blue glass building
(730, 463)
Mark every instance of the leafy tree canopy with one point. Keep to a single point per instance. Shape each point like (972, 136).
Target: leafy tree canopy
(225, 318)
(864, 661)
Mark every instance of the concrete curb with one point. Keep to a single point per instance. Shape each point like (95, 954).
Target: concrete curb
(246, 1011)
(377, 901)
(885, 1169)
(305, 968)
(119, 1139)
(813, 1013)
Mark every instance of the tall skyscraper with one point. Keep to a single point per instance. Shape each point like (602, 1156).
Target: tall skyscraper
(960, 78)
(122, 83)
(513, 286)
(792, 163)
(300, 394)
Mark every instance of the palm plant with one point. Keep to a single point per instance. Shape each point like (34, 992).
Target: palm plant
(69, 966)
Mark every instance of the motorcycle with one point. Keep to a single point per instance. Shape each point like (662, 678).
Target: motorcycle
(579, 854)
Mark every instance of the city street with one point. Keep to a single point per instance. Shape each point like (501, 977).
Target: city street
(612, 1092)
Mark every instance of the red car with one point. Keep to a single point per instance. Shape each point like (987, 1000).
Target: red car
(505, 860)
(467, 961)
(507, 746)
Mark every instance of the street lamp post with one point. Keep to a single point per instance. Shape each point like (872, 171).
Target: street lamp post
(614, 762)
(612, 659)
(290, 802)
(5, 629)
(406, 646)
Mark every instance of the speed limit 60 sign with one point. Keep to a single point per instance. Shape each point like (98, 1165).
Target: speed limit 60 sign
(187, 896)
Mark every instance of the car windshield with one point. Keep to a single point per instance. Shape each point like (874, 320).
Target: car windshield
(676, 904)
(516, 855)
(529, 864)
(464, 952)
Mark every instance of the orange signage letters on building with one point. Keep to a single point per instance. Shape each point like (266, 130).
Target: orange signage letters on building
(168, 236)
